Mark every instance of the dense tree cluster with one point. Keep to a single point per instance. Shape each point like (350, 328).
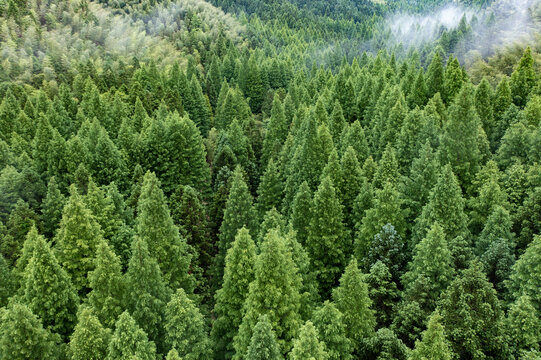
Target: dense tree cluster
(177, 182)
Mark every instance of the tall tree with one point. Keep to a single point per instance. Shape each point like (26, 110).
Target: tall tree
(523, 79)
(263, 345)
(185, 328)
(130, 341)
(328, 242)
(307, 345)
(434, 345)
(352, 300)
(275, 292)
(238, 274)
(90, 340)
(155, 227)
(523, 327)
(526, 277)
(328, 321)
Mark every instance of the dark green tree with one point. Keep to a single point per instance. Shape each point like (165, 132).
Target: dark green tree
(523, 79)
(328, 321)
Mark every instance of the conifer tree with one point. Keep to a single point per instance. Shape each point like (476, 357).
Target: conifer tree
(435, 73)
(238, 212)
(328, 242)
(48, 291)
(77, 239)
(350, 185)
(7, 279)
(307, 345)
(472, 316)
(108, 287)
(328, 321)
(129, 341)
(185, 328)
(453, 80)
(156, 228)
(434, 345)
(276, 134)
(383, 292)
(388, 247)
(459, 142)
(353, 135)
(484, 106)
(275, 292)
(238, 274)
(386, 210)
(148, 293)
(352, 300)
(263, 345)
(445, 206)
(51, 208)
(526, 277)
(270, 190)
(22, 335)
(90, 340)
(523, 79)
(337, 122)
(523, 327)
(432, 266)
(301, 212)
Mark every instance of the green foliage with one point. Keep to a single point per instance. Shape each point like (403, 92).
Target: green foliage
(307, 345)
(525, 277)
(129, 341)
(331, 330)
(352, 300)
(185, 328)
(263, 345)
(434, 344)
(90, 340)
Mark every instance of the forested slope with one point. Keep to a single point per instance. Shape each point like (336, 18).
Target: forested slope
(270, 180)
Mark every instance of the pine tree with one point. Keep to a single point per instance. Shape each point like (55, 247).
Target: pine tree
(48, 291)
(523, 327)
(270, 190)
(435, 72)
(51, 208)
(353, 135)
(275, 292)
(328, 242)
(453, 80)
(185, 328)
(22, 335)
(337, 122)
(129, 341)
(523, 79)
(472, 316)
(352, 300)
(238, 212)
(301, 212)
(238, 275)
(156, 228)
(432, 266)
(459, 142)
(350, 185)
(7, 279)
(108, 286)
(328, 321)
(307, 345)
(149, 294)
(90, 339)
(383, 292)
(263, 345)
(445, 206)
(277, 129)
(386, 210)
(434, 345)
(526, 277)
(77, 239)
(485, 107)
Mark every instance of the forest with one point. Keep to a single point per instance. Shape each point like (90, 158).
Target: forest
(270, 179)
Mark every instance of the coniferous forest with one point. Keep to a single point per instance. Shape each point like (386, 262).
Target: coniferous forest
(270, 179)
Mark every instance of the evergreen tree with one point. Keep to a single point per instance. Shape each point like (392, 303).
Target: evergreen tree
(7, 279)
(389, 248)
(328, 321)
(77, 239)
(185, 328)
(523, 79)
(350, 185)
(383, 292)
(327, 242)
(48, 291)
(90, 339)
(484, 106)
(472, 317)
(270, 189)
(301, 213)
(263, 345)
(155, 227)
(108, 287)
(22, 335)
(526, 275)
(51, 208)
(275, 292)
(453, 80)
(307, 345)
(129, 341)
(435, 73)
(277, 128)
(352, 300)
(238, 212)
(434, 344)
(523, 327)
(238, 275)
(459, 142)
(148, 293)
